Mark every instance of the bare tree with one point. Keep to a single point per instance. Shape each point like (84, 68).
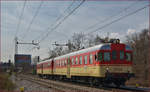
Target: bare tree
(77, 40)
(99, 40)
(90, 40)
(140, 45)
(52, 53)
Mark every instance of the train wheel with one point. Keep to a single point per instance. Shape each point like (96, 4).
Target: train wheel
(101, 85)
(123, 83)
(117, 84)
(91, 82)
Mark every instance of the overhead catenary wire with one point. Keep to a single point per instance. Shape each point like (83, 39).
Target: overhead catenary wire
(116, 20)
(58, 17)
(53, 29)
(109, 18)
(70, 6)
(20, 18)
(34, 17)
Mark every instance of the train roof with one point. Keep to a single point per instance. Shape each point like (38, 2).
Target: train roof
(97, 47)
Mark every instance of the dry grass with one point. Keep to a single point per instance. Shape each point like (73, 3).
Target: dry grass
(140, 82)
(5, 82)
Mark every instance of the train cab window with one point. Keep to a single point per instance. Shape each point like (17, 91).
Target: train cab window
(76, 60)
(91, 59)
(80, 60)
(100, 56)
(128, 56)
(72, 61)
(106, 56)
(121, 55)
(114, 55)
(85, 59)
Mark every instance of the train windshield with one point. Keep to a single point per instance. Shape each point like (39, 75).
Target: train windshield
(128, 56)
(106, 56)
(121, 55)
(100, 56)
(114, 55)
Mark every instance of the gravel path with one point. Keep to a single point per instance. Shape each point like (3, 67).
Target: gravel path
(29, 86)
(33, 87)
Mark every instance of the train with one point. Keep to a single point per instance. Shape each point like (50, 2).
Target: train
(107, 63)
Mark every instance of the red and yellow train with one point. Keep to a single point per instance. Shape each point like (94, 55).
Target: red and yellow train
(102, 64)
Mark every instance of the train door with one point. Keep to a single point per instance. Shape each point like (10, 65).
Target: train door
(68, 68)
(42, 69)
(52, 64)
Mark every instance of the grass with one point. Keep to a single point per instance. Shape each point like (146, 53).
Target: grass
(5, 82)
(140, 82)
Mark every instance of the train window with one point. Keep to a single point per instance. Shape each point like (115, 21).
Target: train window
(62, 63)
(85, 59)
(76, 60)
(72, 61)
(121, 55)
(128, 47)
(59, 63)
(106, 56)
(128, 56)
(100, 56)
(114, 55)
(105, 47)
(49, 64)
(65, 62)
(91, 59)
(80, 59)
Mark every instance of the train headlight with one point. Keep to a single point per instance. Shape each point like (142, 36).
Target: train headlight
(107, 68)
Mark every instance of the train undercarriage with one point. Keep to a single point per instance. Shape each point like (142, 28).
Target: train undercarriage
(115, 79)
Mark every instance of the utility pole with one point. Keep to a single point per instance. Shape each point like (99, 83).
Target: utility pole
(60, 44)
(23, 43)
(16, 44)
(69, 44)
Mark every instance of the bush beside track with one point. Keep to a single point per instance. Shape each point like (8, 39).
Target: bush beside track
(5, 83)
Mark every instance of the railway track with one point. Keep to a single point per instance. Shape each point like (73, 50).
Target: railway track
(73, 87)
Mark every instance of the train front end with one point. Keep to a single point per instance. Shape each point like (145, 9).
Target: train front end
(116, 63)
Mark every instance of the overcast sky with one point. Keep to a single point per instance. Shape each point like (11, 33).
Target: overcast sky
(88, 17)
